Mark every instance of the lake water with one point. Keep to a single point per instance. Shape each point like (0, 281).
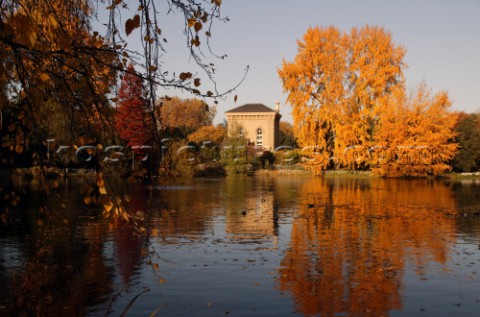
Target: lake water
(247, 246)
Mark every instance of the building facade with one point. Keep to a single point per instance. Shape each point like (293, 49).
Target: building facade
(256, 122)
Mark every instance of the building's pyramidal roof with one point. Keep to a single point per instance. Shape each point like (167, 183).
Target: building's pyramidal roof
(252, 107)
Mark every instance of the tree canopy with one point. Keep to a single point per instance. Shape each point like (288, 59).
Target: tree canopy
(188, 115)
(416, 135)
(52, 57)
(468, 156)
(348, 96)
(132, 121)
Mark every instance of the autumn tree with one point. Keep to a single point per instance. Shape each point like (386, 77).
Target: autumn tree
(467, 158)
(188, 115)
(209, 133)
(416, 135)
(51, 53)
(337, 85)
(51, 62)
(132, 121)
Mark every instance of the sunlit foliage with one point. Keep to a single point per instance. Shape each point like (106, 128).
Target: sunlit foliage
(187, 115)
(209, 133)
(338, 84)
(64, 58)
(350, 108)
(51, 62)
(416, 135)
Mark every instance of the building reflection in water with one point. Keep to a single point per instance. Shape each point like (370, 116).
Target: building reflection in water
(251, 215)
(352, 239)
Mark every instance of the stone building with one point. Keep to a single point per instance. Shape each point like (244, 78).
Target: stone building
(256, 122)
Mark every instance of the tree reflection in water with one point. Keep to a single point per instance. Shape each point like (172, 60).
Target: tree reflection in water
(335, 246)
(351, 240)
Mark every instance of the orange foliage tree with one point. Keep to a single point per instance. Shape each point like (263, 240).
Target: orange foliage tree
(416, 135)
(338, 84)
(347, 91)
(188, 115)
(52, 64)
(51, 53)
(211, 133)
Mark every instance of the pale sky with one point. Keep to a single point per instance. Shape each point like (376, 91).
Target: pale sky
(442, 38)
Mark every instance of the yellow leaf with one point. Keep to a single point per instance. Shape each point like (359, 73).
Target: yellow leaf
(32, 38)
(101, 183)
(102, 191)
(87, 200)
(155, 266)
(52, 20)
(191, 22)
(108, 206)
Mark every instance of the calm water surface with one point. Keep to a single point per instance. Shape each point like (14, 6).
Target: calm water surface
(248, 247)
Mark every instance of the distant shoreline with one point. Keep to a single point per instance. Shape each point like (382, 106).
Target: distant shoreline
(282, 171)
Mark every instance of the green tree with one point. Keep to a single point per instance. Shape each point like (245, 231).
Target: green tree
(468, 155)
(286, 134)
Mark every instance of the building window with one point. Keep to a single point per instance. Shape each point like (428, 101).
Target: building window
(259, 137)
